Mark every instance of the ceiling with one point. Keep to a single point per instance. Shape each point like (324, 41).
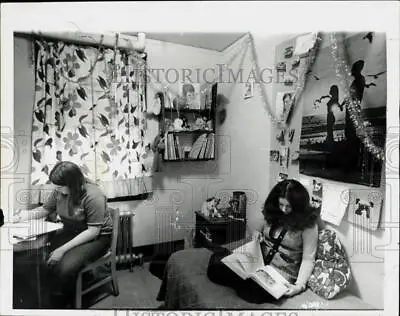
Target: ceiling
(213, 41)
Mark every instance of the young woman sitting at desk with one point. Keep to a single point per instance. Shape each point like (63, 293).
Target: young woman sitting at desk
(86, 234)
(288, 236)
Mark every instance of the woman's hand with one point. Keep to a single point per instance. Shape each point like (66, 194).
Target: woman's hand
(294, 289)
(55, 256)
(258, 236)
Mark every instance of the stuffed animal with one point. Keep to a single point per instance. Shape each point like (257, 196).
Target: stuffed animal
(363, 207)
(200, 123)
(209, 208)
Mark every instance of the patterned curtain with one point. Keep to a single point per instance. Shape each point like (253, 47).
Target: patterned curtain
(90, 108)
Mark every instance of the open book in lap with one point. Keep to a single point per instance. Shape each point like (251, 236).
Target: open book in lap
(247, 262)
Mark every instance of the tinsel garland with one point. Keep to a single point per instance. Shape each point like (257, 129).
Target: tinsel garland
(353, 105)
(300, 84)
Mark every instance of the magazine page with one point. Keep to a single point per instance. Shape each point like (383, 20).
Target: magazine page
(270, 280)
(245, 259)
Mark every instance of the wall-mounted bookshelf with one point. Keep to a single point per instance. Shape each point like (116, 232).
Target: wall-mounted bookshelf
(190, 132)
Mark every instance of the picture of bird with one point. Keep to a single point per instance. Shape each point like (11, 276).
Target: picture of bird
(312, 75)
(375, 76)
(369, 36)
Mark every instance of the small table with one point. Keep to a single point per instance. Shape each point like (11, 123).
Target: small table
(218, 230)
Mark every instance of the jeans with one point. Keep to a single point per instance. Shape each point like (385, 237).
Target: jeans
(62, 276)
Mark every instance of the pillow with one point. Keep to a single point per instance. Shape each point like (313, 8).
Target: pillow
(331, 273)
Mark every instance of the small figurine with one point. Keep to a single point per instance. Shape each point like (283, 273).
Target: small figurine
(209, 208)
(178, 124)
(200, 123)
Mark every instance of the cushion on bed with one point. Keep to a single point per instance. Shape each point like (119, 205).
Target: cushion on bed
(331, 274)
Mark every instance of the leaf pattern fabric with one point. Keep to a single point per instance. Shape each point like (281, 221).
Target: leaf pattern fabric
(89, 109)
(331, 274)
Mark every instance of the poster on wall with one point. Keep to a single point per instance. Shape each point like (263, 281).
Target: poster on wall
(365, 207)
(329, 146)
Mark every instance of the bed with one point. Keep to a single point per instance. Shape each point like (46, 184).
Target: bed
(186, 286)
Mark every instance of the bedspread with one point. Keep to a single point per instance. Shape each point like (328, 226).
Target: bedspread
(186, 286)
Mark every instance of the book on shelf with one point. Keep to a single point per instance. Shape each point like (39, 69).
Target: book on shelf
(166, 144)
(247, 262)
(197, 146)
(203, 148)
(210, 146)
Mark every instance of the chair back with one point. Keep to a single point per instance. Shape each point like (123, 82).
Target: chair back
(115, 213)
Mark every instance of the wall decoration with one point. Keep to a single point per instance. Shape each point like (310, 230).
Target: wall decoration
(156, 104)
(189, 97)
(296, 63)
(249, 89)
(274, 155)
(288, 52)
(316, 194)
(329, 144)
(295, 157)
(304, 43)
(281, 138)
(282, 176)
(291, 135)
(284, 156)
(365, 207)
(303, 66)
(284, 105)
(281, 67)
(334, 203)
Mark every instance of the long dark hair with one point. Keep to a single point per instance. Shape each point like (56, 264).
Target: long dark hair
(303, 215)
(68, 174)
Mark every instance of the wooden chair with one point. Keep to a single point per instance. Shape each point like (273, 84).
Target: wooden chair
(108, 258)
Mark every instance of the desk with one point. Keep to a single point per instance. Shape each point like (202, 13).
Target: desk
(29, 264)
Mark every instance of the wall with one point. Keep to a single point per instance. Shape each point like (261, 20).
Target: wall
(175, 188)
(247, 128)
(24, 80)
(365, 248)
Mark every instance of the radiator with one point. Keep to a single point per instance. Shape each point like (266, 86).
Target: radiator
(124, 253)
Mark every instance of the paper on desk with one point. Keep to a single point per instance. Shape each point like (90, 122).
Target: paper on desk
(334, 203)
(33, 228)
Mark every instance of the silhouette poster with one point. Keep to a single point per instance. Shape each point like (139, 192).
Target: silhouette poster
(329, 145)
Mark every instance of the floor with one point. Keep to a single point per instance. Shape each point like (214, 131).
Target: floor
(137, 290)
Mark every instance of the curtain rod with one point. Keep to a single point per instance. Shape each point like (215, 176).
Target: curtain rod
(89, 39)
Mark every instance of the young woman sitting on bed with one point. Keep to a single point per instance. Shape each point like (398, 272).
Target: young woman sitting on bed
(289, 226)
